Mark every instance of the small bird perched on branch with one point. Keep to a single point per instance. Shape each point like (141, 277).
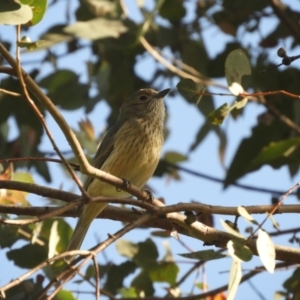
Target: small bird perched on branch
(130, 150)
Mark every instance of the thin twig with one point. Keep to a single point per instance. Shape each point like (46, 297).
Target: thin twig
(41, 118)
(96, 250)
(70, 197)
(223, 288)
(279, 204)
(173, 68)
(283, 118)
(10, 93)
(97, 278)
(171, 165)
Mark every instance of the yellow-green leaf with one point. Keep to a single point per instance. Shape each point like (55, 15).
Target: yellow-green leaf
(238, 250)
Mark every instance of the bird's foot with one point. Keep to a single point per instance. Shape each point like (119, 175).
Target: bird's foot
(126, 184)
(150, 197)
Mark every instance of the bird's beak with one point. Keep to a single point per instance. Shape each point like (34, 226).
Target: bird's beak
(162, 94)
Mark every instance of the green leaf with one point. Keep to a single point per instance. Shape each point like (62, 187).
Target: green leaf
(215, 66)
(22, 177)
(26, 2)
(128, 292)
(58, 235)
(190, 90)
(116, 274)
(85, 141)
(217, 116)
(239, 251)
(8, 236)
(266, 250)
(235, 276)
(28, 44)
(137, 252)
(90, 271)
(127, 248)
(53, 36)
(64, 295)
(231, 230)
(204, 255)
(277, 154)
(173, 10)
(149, 247)
(174, 157)
(38, 9)
(65, 90)
(244, 213)
(96, 29)
(236, 66)
(28, 256)
(12, 13)
(250, 147)
(164, 272)
(143, 284)
(292, 282)
(53, 239)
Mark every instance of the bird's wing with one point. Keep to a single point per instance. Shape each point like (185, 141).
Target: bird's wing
(104, 150)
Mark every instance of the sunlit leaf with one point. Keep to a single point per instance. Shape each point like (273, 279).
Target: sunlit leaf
(14, 196)
(28, 44)
(168, 255)
(244, 213)
(64, 295)
(238, 250)
(277, 154)
(126, 248)
(231, 230)
(266, 250)
(174, 157)
(217, 116)
(95, 29)
(241, 103)
(275, 224)
(236, 66)
(38, 8)
(128, 292)
(235, 276)
(53, 239)
(13, 13)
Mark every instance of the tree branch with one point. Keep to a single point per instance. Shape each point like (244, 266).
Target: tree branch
(85, 167)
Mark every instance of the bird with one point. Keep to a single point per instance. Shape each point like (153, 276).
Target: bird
(130, 150)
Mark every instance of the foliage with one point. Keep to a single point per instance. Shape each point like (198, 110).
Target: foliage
(116, 44)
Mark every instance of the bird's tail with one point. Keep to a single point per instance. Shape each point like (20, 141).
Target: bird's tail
(89, 212)
(77, 238)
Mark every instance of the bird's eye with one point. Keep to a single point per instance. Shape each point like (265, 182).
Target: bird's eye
(143, 98)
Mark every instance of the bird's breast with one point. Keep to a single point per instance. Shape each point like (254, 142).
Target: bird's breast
(135, 155)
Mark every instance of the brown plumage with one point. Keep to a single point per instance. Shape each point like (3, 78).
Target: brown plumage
(130, 149)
